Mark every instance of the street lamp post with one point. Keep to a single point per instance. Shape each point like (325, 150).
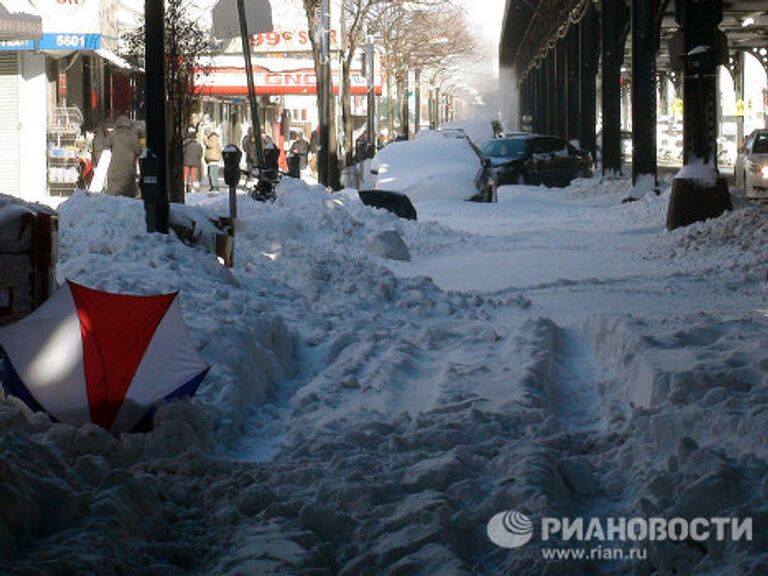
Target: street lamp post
(255, 123)
(369, 64)
(324, 86)
(154, 175)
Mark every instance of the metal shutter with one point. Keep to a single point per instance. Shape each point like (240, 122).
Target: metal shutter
(9, 124)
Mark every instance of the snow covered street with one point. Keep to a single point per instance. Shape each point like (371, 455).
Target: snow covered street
(558, 353)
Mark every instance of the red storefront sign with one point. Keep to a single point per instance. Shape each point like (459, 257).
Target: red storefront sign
(233, 82)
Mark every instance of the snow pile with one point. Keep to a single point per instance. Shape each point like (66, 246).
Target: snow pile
(360, 419)
(428, 168)
(103, 244)
(736, 242)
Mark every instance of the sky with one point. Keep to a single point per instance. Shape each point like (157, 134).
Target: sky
(485, 17)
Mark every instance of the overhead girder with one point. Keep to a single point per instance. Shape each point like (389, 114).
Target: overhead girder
(532, 27)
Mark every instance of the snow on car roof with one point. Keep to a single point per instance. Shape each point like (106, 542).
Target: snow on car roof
(428, 168)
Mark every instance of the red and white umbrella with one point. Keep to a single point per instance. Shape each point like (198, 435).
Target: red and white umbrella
(92, 356)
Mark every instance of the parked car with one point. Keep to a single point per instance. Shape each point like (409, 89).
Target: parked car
(536, 159)
(438, 164)
(751, 168)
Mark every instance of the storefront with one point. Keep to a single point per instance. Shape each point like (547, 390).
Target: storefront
(53, 87)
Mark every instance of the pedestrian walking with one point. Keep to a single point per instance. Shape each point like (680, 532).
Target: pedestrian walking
(314, 141)
(193, 160)
(249, 149)
(300, 148)
(99, 142)
(213, 159)
(124, 145)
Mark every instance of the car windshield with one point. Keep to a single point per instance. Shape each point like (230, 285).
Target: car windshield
(761, 144)
(512, 148)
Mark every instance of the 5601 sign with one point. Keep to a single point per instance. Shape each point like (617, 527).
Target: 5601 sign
(70, 42)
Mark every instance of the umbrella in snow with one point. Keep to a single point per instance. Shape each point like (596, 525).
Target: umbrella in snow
(92, 356)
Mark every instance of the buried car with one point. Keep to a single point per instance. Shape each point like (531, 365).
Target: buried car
(536, 159)
(435, 166)
(750, 170)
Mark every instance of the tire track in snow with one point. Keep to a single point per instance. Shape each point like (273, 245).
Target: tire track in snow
(573, 392)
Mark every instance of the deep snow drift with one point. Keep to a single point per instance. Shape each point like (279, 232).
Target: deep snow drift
(567, 357)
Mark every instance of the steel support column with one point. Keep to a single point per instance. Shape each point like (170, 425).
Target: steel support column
(550, 93)
(737, 71)
(589, 52)
(561, 90)
(614, 27)
(697, 49)
(644, 48)
(539, 122)
(573, 81)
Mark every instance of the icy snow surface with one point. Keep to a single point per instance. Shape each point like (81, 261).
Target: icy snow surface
(556, 353)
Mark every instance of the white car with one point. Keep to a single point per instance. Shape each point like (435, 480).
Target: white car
(437, 165)
(751, 168)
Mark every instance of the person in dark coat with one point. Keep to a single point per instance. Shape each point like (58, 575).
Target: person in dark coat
(193, 160)
(124, 144)
(249, 149)
(314, 141)
(300, 148)
(99, 142)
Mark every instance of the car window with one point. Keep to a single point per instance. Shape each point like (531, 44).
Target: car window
(512, 148)
(760, 145)
(547, 145)
(554, 145)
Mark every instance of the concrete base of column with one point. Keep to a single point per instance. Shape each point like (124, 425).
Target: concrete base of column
(692, 201)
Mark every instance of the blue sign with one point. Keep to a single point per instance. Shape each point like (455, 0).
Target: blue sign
(55, 41)
(72, 41)
(14, 45)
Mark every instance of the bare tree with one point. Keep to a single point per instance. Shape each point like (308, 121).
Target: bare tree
(408, 32)
(185, 42)
(425, 35)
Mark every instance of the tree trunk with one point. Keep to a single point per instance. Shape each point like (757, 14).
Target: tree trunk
(175, 153)
(401, 98)
(346, 112)
(390, 107)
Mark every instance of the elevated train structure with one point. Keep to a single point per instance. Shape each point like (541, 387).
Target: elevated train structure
(562, 52)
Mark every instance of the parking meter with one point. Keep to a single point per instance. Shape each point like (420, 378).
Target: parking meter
(232, 156)
(156, 205)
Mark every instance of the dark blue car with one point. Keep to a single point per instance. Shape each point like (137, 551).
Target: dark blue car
(536, 159)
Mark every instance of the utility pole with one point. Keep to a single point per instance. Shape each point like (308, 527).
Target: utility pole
(417, 100)
(325, 88)
(246, 40)
(369, 64)
(154, 169)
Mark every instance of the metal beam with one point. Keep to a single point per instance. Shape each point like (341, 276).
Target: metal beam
(644, 48)
(589, 48)
(614, 34)
(573, 84)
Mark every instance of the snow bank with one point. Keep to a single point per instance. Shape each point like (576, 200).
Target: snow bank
(735, 243)
(103, 243)
(359, 421)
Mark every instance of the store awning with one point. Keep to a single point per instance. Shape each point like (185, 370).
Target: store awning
(113, 58)
(19, 20)
(226, 22)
